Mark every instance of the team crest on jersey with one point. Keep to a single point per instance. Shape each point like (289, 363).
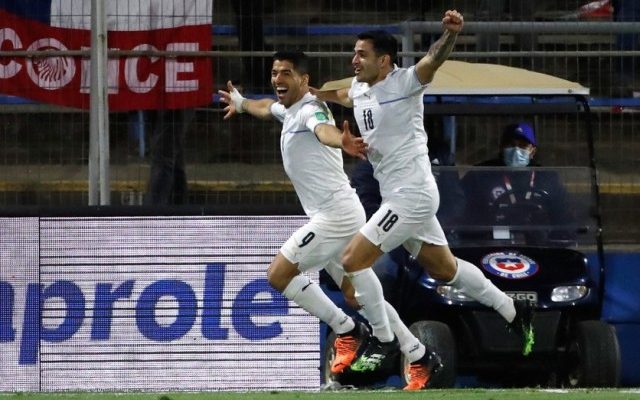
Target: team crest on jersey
(510, 265)
(320, 116)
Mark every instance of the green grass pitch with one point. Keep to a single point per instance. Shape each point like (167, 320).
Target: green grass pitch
(452, 394)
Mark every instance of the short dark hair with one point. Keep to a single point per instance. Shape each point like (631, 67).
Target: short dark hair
(383, 43)
(299, 60)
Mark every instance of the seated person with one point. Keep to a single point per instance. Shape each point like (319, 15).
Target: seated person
(515, 195)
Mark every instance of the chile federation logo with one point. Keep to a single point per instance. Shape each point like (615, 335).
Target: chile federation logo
(510, 265)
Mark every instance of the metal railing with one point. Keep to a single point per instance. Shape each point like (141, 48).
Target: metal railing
(410, 28)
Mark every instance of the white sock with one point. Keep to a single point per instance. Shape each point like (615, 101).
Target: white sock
(369, 296)
(308, 295)
(410, 346)
(470, 280)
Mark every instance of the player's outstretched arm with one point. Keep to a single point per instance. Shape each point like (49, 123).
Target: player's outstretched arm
(236, 104)
(339, 96)
(331, 136)
(440, 50)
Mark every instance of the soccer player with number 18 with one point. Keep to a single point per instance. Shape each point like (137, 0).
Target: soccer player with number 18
(388, 105)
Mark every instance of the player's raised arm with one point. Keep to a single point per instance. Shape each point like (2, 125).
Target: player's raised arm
(339, 96)
(237, 104)
(331, 136)
(440, 50)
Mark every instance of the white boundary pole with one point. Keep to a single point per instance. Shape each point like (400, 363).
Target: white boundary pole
(99, 113)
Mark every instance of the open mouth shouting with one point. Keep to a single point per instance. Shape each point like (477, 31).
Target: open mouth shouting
(281, 92)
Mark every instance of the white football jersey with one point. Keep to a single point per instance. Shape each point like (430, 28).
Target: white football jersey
(314, 169)
(391, 121)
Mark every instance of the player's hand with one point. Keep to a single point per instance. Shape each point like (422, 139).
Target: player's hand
(352, 145)
(453, 21)
(321, 95)
(234, 100)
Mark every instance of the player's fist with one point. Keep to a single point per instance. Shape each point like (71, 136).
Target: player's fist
(453, 21)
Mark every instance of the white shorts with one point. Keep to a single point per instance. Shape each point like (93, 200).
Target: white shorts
(407, 220)
(324, 237)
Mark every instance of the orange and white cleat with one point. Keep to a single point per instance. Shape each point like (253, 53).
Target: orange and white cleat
(419, 373)
(346, 347)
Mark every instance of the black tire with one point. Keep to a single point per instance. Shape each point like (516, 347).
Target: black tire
(327, 359)
(436, 336)
(593, 356)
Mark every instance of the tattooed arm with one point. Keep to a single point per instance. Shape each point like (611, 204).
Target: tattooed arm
(440, 50)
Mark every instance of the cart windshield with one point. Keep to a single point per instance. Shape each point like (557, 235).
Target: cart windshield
(537, 206)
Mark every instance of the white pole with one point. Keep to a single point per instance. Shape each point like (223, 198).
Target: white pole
(99, 113)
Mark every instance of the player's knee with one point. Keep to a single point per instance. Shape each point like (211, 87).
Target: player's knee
(351, 263)
(347, 259)
(278, 278)
(442, 267)
(272, 277)
(445, 272)
(354, 260)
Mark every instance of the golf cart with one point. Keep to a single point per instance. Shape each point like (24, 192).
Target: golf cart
(517, 241)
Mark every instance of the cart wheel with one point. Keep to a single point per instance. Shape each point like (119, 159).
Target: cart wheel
(437, 337)
(593, 356)
(327, 359)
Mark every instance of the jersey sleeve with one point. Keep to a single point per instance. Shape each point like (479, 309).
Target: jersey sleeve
(352, 91)
(278, 111)
(406, 80)
(316, 113)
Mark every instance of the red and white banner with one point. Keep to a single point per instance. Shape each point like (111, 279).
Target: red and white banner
(134, 83)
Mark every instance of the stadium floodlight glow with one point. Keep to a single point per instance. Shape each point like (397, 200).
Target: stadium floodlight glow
(568, 293)
(451, 293)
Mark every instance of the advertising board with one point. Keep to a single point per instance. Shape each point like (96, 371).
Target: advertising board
(150, 303)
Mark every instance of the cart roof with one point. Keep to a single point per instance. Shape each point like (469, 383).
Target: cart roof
(464, 78)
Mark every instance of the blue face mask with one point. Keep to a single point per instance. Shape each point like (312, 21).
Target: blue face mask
(516, 157)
